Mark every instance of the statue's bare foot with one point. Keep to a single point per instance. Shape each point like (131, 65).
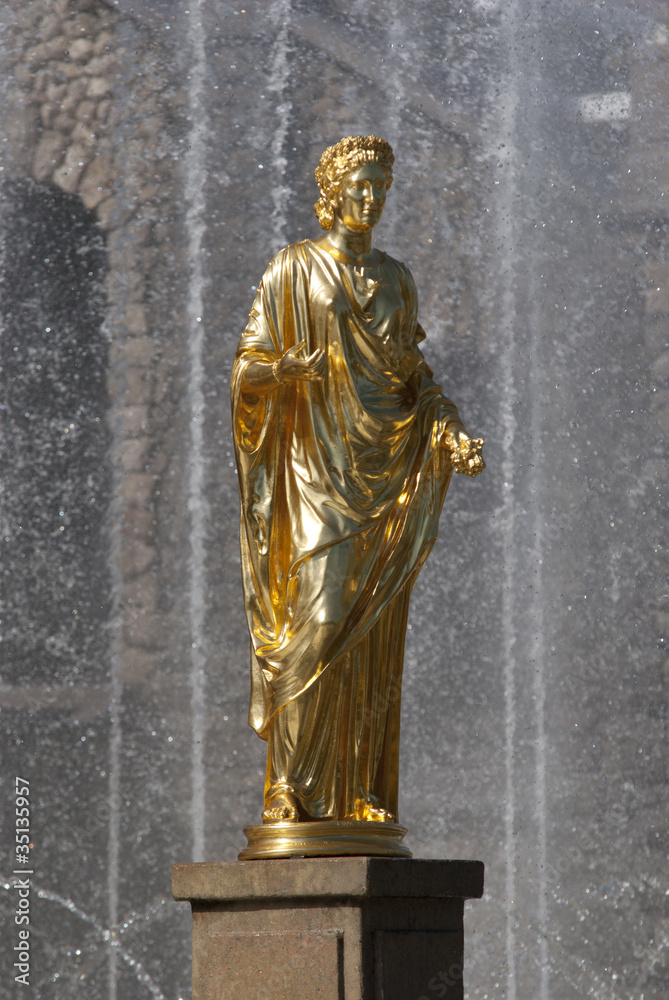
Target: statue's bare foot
(371, 811)
(280, 808)
(377, 815)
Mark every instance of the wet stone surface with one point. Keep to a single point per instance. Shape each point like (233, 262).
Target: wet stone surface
(154, 160)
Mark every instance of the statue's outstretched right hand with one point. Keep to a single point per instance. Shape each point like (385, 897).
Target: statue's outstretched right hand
(292, 367)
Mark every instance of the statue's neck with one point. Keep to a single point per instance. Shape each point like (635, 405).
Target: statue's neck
(355, 245)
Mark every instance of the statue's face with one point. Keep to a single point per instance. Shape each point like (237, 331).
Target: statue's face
(361, 197)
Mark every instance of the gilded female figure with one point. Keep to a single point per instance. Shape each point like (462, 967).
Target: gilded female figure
(345, 447)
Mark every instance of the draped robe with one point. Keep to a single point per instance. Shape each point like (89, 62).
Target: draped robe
(342, 482)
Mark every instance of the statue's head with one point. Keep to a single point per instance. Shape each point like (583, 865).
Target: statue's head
(337, 161)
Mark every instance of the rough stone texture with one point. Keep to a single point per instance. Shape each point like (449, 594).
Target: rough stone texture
(536, 224)
(349, 878)
(310, 929)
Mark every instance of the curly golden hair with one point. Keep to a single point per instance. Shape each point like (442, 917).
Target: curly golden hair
(338, 160)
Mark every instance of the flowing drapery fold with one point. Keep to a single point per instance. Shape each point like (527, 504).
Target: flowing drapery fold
(341, 480)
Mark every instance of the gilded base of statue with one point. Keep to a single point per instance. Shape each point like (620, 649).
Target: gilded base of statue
(325, 838)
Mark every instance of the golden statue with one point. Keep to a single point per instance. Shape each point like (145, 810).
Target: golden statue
(345, 447)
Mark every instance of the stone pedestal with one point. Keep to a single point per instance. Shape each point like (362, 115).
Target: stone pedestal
(328, 928)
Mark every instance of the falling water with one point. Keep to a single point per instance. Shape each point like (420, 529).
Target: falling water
(279, 74)
(197, 506)
(520, 614)
(505, 105)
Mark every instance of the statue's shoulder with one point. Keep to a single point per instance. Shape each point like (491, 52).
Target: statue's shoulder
(293, 254)
(401, 268)
(395, 262)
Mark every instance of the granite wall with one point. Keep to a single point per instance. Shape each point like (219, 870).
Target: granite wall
(154, 156)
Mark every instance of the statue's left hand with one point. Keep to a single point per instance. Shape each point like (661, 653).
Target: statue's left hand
(465, 451)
